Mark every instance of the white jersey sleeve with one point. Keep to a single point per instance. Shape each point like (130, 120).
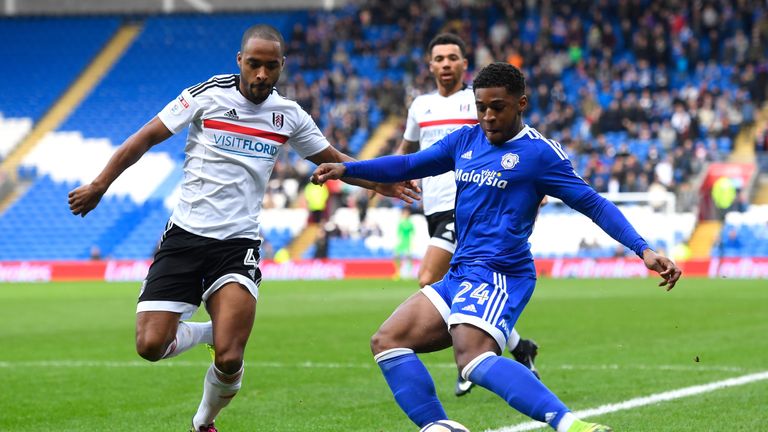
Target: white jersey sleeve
(180, 112)
(412, 130)
(307, 139)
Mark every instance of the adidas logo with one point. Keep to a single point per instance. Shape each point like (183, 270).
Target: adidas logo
(470, 308)
(232, 114)
(467, 155)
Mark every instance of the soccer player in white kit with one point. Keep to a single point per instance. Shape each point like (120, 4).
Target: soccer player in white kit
(210, 248)
(432, 116)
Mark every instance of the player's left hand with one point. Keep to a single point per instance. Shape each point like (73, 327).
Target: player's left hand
(664, 267)
(408, 191)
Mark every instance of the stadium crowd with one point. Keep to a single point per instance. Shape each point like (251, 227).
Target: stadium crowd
(643, 93)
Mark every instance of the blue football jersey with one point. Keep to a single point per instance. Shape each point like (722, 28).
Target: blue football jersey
(498, 192)
(499, 189)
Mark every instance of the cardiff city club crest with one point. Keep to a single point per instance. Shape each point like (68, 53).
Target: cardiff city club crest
(277, 120)
(509, 160)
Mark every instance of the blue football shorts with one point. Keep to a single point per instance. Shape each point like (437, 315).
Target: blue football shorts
(476, 295)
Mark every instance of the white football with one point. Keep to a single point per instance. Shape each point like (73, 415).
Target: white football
(444, 426)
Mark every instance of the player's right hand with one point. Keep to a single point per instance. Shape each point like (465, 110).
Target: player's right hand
(84, 199)
(328, 171)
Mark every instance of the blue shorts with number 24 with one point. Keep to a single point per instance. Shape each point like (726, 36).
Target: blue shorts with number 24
(476, 295)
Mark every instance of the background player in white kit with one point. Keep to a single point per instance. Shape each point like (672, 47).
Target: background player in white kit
(431, 117)
(210, 249)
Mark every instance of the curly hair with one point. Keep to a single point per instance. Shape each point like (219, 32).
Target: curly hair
(448, 39)
(500, 74)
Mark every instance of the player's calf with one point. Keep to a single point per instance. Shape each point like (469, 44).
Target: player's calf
(219, 388)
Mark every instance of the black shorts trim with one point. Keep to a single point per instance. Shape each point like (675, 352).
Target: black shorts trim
(441, 225)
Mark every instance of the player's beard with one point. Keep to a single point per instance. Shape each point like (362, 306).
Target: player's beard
(258, 93)
(449, 83)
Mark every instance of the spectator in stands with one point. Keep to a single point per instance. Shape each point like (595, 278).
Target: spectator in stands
(741, 204)
(266, 250)
(95, 253)
(283, 255)
(210, 249)
(316, 197)
(761, 140)
(586, 247)
(321, 245)
(732, 241)
(360, 201)
(723, 196)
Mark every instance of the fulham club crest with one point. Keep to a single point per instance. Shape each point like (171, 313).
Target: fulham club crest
(509, 160)
(277, 120)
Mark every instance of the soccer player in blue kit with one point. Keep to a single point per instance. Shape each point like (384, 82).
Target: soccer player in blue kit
(503, 170)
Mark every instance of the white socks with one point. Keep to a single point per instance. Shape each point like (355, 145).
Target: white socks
(188, 335)
(513, 340)
(218, 390)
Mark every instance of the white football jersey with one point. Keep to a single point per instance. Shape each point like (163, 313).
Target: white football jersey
(430, 118)
(230, 152)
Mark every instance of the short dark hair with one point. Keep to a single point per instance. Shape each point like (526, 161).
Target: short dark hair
(500, 74)
(447, 39)
(263, 31)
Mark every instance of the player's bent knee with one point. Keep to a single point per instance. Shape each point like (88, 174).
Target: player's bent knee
(467, 363)
(149, 349)
(381, 342)
(229, 365)
(229, 361)
(376, 343)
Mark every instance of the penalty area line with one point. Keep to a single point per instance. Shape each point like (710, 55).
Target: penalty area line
(646, 400)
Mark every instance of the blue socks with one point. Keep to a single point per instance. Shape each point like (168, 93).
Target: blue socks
(412, 385)
(518, 386)
(414, 389)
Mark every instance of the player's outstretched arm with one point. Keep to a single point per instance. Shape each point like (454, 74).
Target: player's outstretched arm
(664, 266)
(407, 191)
(86, 197)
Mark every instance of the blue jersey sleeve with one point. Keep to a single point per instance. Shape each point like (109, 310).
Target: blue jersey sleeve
(561, 181)
(434, 160)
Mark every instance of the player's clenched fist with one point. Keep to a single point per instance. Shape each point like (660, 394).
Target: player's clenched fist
(84, 199)
(328, 171)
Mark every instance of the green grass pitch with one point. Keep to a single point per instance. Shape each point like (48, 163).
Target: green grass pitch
(67, 360)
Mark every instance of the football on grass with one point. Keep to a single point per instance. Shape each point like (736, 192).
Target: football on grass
(444, 426)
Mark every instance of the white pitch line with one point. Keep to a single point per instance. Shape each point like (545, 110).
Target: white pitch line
(322, 365)
(646, 400)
